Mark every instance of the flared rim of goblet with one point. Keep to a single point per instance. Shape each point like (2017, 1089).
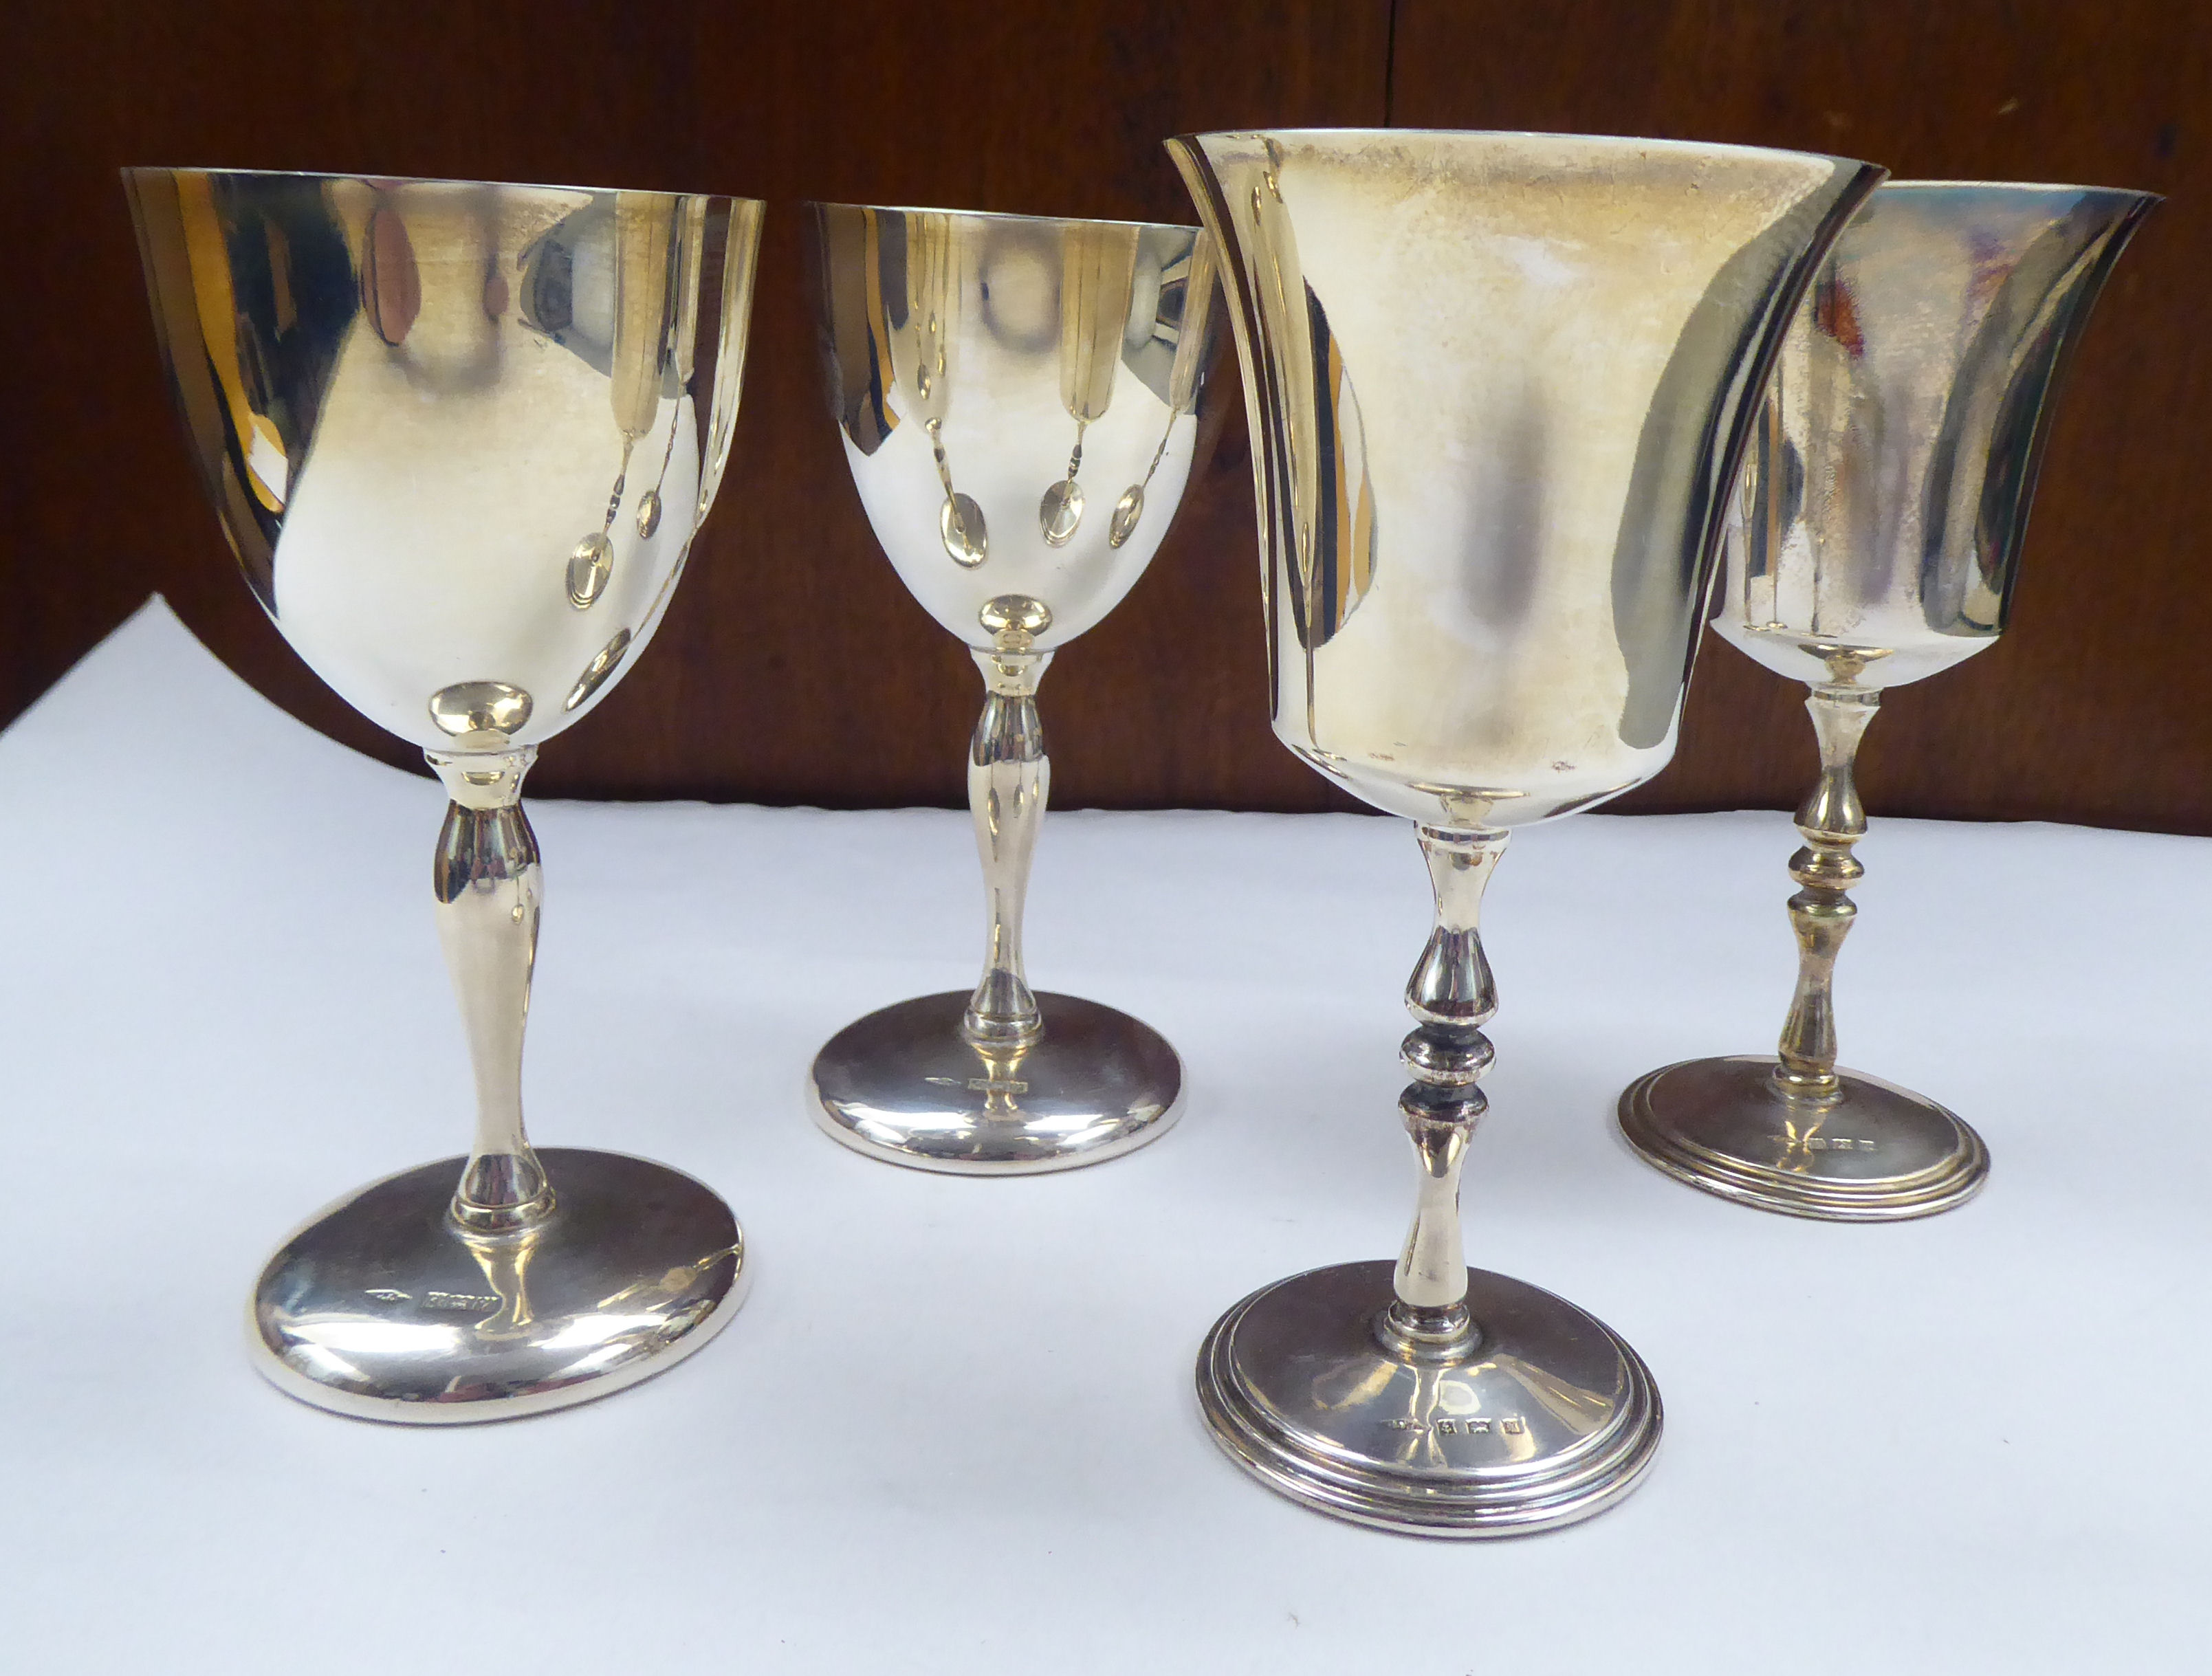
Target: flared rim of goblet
(133, 170)
(2021, 188)
(997, 216)
(1604, 141)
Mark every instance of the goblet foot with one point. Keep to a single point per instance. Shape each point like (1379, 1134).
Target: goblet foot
(905, 1086)
(1546, 1418)
(1875, 1152)
(385, 1309)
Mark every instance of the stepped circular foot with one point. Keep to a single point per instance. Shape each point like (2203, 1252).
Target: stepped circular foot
(1873, 1153)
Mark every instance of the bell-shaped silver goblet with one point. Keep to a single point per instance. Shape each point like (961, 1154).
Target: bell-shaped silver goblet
(460, 435)
(1873, 541)
(1019, 400)
(1498, 386)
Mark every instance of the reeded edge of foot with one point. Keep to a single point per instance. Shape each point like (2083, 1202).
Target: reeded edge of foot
(1025, 1151)
(1370, 1492)
(1942, 1186)
(693, 1336)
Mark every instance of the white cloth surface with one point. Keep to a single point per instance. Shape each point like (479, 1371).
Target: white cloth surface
(954, 1429)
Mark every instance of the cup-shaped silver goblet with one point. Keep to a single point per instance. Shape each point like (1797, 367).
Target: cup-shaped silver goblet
(460, 435)
(1873, 541)
(1498, 386)
(1019, 399)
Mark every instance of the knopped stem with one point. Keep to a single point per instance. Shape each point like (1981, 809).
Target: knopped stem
(1451, 996)
(487, 885)
(1831, 820)
(1009, 778)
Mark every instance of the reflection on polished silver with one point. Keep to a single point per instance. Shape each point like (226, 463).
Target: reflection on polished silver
(908, 1086)
(409, 399)
(1497, 387)
(385, 1308)
(981, 368)
(1543, 1418)
(1874, 540)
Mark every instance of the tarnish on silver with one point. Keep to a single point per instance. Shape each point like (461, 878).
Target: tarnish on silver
(460, 435)
(1497, 387)
(1034, 354)
(1874, 540)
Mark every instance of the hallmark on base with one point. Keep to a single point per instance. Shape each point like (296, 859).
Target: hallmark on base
(1511, 1425)
(981, 1084)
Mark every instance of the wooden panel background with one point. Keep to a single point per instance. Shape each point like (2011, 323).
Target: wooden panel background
(793, 668)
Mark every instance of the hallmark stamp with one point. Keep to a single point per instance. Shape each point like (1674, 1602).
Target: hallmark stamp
(459, 1301)
(981, 1084)
(1469, 1425)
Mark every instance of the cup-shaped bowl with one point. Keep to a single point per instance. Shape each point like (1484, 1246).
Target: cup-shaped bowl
(1498, 386)
(1019, 399)
(460, 433)
(1877, 529)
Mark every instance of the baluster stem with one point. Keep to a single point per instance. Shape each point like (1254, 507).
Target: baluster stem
(487, 885)
(1452, 995)
(1831, 820)
(1009, 780)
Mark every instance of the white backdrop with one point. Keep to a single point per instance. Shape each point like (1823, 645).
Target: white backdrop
(954, 1430)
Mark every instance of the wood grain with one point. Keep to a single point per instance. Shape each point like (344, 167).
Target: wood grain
(793, 668)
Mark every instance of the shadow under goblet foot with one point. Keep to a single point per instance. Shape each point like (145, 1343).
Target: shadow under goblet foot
(1547, 1418)
(1873, 1153)
(904, 1086)
(385, 1309)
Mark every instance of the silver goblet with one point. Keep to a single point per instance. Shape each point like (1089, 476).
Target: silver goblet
(1018, 398)
(460, 435)
(1873, 541)
(1498, 384)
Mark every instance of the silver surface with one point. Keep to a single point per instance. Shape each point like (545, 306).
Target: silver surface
(1874, 540)
(904, 1086)
(460, 435)
(1543, 1418)
(488, 885)
(1886, 493)
(1869, 1151)
(385, 1308)
(982, 371)
(978, 365)
(1009, 783)
(1498, 386)
(413, 401)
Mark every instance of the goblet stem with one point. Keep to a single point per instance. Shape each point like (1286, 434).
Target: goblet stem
(1009, 779)
(488, 885)
(1452, 995)
(1832, 820)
